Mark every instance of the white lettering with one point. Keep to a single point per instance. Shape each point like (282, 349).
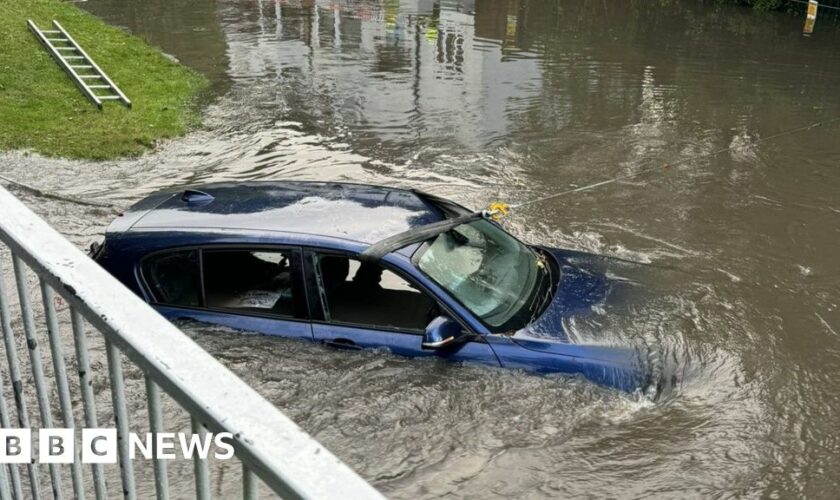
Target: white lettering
(224, 441)
(196, 443)
(99, 446)
(165, 441)
(56, 446)
(16, 446)
(144, 446)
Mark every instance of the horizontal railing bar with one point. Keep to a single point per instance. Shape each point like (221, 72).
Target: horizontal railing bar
(289, 461)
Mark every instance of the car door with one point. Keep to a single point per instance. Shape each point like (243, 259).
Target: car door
(362, 305)
(256, 288)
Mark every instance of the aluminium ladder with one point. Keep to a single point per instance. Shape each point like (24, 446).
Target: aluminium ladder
(79, 65)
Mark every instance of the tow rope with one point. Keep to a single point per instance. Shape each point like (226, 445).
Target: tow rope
(498, 210)
(55, 196)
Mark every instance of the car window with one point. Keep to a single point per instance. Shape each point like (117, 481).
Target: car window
(487, 270)
(173, 278)
(256, 281)
(365, 294)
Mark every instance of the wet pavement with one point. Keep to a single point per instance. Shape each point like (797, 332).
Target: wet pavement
(734, 256)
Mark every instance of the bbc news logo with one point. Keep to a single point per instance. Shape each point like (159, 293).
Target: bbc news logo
(99, 446)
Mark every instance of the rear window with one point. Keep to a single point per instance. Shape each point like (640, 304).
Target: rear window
(174, 278)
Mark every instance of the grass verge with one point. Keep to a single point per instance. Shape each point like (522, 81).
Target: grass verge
(42, 110)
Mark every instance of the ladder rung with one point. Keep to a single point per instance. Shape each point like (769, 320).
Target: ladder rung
(57, 40)
(99, 86)
(89, 76)
(65, 48)
(51, 32)
(83, 66)
(72, 57)
(108, 97)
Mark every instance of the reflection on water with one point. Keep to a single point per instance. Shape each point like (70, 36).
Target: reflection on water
(733, 256)
(186, 29)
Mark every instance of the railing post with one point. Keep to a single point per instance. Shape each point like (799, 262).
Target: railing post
(202, 475)
(9, 479)
(5, 492)
(86, 387)
(60, 373)
(120, 419)
(17, 383)
(249, 484)
(41, 390)
(13, 475)
(155, 426)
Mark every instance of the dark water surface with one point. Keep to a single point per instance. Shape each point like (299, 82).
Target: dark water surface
(736, 255)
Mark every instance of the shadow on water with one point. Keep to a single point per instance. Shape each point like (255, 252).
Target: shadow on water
(731, 260)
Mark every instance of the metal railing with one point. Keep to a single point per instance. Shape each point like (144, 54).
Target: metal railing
(267, 443)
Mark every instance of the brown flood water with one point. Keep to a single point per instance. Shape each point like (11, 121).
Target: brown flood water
(735, 256)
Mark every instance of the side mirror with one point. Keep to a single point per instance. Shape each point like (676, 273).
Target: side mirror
(442, 331)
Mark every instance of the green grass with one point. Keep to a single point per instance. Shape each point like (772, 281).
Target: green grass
(42, 110)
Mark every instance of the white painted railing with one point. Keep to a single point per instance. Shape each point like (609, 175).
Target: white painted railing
(269, 445)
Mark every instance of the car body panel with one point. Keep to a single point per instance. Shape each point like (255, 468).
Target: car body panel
(126, 220)
(578, 290)
(609, 366)
(345, 211)
(280, 327)
(346, 219)
(401, 343)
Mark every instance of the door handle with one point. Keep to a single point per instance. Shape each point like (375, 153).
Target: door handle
(342, 344)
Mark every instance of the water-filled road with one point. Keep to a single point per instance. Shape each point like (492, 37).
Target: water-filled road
(736, 255)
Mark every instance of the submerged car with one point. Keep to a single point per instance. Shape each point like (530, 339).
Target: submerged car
(358, 266)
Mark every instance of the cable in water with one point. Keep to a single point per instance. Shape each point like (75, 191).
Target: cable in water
(54, 196)
(498, 210)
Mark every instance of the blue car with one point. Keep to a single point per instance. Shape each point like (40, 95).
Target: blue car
(357, 266)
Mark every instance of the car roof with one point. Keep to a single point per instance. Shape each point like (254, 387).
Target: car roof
(355, 212)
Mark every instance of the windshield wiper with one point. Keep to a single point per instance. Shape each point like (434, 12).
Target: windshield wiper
(382, 248)
(541, 299)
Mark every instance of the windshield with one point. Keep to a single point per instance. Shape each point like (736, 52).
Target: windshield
(487, 270)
